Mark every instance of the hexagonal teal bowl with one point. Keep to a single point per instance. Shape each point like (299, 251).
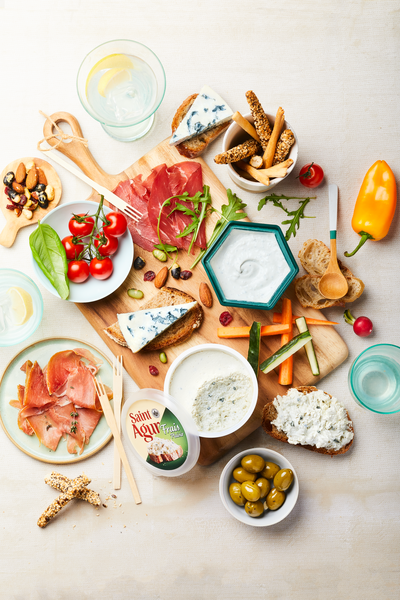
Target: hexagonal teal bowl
(283, 245)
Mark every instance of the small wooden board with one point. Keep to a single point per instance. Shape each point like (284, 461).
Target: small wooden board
(330, 348)
(14, 223)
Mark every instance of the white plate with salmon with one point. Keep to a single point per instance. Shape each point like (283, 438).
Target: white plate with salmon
(48, 403)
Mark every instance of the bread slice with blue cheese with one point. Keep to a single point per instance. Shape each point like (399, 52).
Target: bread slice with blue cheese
(207, 111)
(141, 327)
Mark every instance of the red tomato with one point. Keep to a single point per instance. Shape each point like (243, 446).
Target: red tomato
(72, 250)
(81, 225)
(109, 248)
(101, 269)
(311, 175)
(78, 271)
(118, 224)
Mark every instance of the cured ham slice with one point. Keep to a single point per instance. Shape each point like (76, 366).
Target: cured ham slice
(69, 424)
(23, 423)
(81, 390)
(36, 391)
(59, 368)
(94, 363)
(46, 430)
(88, 420)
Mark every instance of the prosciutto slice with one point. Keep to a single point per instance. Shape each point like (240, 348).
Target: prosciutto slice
(46, 430)
(64, 417)
(36, 391)
(88, 420)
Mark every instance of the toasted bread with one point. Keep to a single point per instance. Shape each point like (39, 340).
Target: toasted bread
(315, 256)
(178, 333)
(196, 145)
(270, 413)
(308, 295)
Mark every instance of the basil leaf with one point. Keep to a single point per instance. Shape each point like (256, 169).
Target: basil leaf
(50, 256)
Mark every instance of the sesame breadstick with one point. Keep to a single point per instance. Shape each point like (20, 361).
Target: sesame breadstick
(261, 122)
(283, 146)
(256, 161)
(55, 507)
(61, 483)
(237, 153)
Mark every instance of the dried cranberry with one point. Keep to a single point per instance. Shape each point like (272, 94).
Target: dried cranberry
(149, 276)
(186, 275)
(153, 370)
(7, 191)
(225, 318)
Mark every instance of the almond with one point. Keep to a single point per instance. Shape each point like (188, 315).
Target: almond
(161, 277)
(205, 295)
(18, 187)
(41, 176)
(20, 173)
(32, 178)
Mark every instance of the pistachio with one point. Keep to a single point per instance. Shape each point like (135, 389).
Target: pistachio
(163, 357)
(160, 255)
(138, 294)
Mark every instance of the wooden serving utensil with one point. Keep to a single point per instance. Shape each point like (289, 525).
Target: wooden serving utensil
(14, 223)
(333, 284)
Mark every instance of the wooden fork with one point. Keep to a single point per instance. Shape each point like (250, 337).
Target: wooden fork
(109, 415)
(117, 398)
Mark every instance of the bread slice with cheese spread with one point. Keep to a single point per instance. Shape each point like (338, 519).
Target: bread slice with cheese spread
(178, 332)
(270, 413)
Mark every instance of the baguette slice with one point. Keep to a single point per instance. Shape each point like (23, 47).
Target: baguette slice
(308, 295)
(196, 145)
(178, 333)
(270, 414)
(315, 256)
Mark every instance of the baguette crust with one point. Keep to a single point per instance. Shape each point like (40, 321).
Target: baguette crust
(307, 292)
(270, 413)
(314, 256)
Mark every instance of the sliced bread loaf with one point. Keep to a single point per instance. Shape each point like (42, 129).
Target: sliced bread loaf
(315, 256)
(308, 294)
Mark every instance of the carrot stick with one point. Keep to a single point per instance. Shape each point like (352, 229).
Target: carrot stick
(277, 318)
(286, 368)
(244, 332)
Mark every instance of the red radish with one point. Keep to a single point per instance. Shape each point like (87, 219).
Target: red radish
(361, 326)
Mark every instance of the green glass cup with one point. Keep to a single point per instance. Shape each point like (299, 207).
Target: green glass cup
(374, 379)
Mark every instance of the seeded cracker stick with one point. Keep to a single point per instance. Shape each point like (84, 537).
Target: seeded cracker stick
(55, 507)
(283, 146)
(238, 152)
(61, 482)
(261, 122)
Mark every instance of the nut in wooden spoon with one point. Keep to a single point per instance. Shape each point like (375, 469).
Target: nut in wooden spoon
(333, 284)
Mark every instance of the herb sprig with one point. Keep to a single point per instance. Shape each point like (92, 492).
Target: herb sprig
(296, 215)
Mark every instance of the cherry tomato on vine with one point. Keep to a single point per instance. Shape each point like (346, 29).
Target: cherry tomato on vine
(311, 175)
(78, 271)
(72, 250)
(118, 224)
(81, 225)
(109, 247)
(101, 269)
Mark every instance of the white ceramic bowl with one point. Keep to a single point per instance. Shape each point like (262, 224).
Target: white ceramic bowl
(92, 289)
(236, 135)
(219, 348)
(269, 517)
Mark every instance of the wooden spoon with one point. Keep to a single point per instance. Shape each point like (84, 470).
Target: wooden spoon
(333, 284)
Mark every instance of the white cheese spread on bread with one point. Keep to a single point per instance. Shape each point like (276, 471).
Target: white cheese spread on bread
(313, 419)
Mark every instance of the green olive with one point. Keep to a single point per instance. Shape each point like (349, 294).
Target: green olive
(251, 491)
(264, 486)
(283, 479)
(242, 475)
(235, 492)
(270, 470)
(254, 509)
(275, 499)
(253, 463)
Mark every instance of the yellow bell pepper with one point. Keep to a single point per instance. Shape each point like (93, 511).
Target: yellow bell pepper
(375, 205)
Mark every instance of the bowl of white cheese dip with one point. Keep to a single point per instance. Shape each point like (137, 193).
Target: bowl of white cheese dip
(216, 385)
(250, 265)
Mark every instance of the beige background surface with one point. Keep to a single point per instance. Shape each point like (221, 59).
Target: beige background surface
(333, 66)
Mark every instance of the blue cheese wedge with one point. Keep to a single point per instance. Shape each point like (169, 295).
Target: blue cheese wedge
(143, 326)
(208, 110)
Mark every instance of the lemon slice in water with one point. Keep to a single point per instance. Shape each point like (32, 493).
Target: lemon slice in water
(21, 305)
(112, 61)
(112, 78)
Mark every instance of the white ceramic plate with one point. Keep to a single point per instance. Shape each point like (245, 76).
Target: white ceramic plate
(270, 517)
(92, 289)
(42, 351)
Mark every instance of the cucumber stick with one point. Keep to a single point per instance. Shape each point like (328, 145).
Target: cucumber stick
(287, 350)
(253, 356)
(309, 347)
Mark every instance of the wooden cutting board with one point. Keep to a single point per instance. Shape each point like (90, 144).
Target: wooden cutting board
(330, 348)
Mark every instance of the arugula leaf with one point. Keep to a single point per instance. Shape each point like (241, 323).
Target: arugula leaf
(166, 247)
(49, 254)
(294, 222)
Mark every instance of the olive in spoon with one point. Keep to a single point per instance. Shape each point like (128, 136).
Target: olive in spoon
(333, 284)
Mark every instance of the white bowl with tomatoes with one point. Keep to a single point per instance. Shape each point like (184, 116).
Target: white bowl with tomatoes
(99, 258)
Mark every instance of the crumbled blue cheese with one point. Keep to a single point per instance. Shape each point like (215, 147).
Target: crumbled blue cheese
(313, 419)
(143, 326)
(208, 110)
(222, 402)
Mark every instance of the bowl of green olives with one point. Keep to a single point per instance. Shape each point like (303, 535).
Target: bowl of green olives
(259, 487)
